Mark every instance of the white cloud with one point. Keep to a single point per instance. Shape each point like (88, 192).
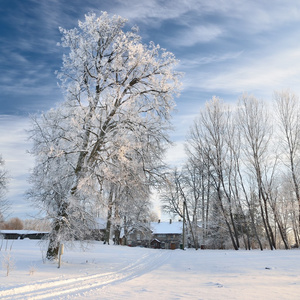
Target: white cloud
(195, 61)
(151, 12)
(175, 155)
(261, 74)
(14, 146)
(196, 34)
(13, 136)
(252, 16)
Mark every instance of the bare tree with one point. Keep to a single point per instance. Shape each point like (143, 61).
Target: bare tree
(202, 186)
(210, 134)
(235, 179)
(133, 210)
(256, 134)
(181, 197)
(288, 111)
(42, 224)
(4, 205)
(14, 224)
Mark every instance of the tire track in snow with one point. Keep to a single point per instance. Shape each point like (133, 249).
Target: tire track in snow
(60, 288)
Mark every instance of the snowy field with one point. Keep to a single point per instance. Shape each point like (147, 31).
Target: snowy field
(118, 272)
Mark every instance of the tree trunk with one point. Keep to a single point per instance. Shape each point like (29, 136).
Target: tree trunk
(53, 247)
(234, 244)
(108, 225)
(109, 215)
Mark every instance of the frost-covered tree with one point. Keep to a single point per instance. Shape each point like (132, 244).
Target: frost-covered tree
(127, 199)
(181, 196)
(210, 139)
(130, 210)
(119, 95)
(52, 177)
(288, 111)
(256, 140)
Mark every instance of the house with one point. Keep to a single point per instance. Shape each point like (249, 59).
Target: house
(166, 235)
(98, 230)
(139, 236)
(158, 235)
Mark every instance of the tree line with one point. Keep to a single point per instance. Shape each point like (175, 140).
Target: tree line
(27, 224)
(240, 182)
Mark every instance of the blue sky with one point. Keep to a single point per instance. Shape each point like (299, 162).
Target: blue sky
(225, 48)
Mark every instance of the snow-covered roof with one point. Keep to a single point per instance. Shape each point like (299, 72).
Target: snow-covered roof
(166, 227)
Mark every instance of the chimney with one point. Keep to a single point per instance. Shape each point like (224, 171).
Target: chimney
(170, 221)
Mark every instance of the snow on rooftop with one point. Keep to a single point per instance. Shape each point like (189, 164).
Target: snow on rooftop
(166, 227)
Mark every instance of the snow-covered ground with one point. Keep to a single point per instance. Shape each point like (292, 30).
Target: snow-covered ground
(118, 272)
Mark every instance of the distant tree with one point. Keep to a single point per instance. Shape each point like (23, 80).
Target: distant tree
(240, 179)
(1, 218)
(288, 111)
(134, 209)
(119, 95)
(256, 132)
(181, 197)
(37, 224)
(2, 223)
(153, 217)
(14, 224)
(211, 133)
(4, 205)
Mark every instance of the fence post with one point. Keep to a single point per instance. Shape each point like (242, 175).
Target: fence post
(60, 253)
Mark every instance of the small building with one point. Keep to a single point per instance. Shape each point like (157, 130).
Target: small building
(156, 244)
(166, 235)
(158, 235)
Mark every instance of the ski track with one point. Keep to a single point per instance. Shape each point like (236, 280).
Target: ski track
(76, 286)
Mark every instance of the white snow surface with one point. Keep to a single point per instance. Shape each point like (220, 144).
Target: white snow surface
(120, 272)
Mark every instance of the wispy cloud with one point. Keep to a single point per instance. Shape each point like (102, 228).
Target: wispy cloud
(13, 147)
(194, 35)
(251, 16)
(176, 156)
(195, 61)
(259, 74)
(13, 136)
